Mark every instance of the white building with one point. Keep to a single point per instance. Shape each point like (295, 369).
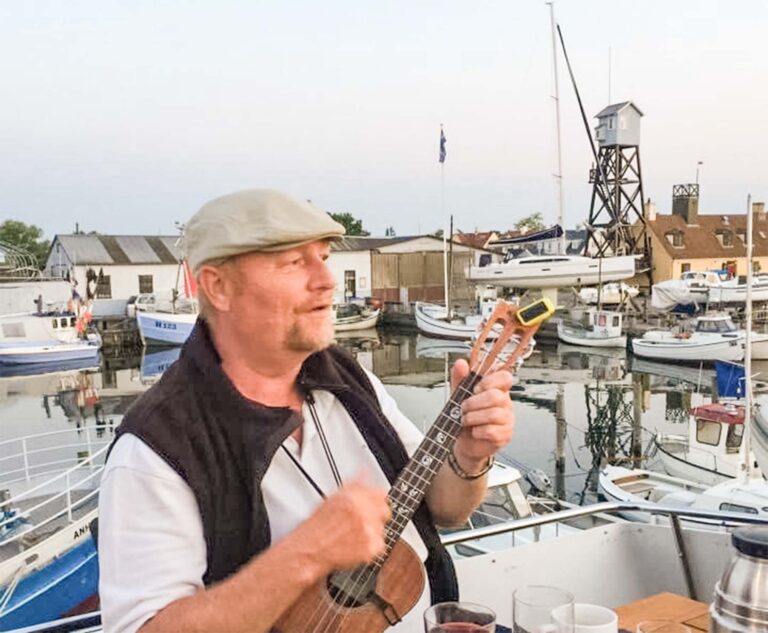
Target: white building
(112, 268)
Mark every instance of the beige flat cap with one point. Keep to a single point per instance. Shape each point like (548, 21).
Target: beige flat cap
(254, 220)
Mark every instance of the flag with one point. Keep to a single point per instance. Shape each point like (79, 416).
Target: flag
(442, 146)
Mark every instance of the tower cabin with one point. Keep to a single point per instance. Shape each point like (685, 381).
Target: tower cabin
(618, 124)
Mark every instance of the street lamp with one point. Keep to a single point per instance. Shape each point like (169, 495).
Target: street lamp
(699, 164)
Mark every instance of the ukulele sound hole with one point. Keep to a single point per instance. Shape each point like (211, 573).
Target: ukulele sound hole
(352, 588)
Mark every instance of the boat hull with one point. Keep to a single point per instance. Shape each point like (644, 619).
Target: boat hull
(159, 328)
(573, 336)
(682, 350)
(54, 590)
(539, 273)
(361, 322)
(50, 353)
(430, 324)
(676, 462)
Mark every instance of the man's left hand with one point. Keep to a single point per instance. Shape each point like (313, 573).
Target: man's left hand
(488, 419)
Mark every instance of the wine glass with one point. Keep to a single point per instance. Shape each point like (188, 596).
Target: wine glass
(459, 617)
(542, 609)
(662, 626)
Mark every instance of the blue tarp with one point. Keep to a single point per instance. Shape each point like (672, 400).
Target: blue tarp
(730, 379)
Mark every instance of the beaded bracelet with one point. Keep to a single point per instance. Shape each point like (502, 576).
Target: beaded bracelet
(463, 474)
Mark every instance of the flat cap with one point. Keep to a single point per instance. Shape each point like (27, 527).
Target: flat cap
(254, 220)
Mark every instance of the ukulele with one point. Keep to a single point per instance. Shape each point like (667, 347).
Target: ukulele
(373, 597)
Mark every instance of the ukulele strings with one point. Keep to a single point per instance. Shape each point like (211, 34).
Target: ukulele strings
(370, 570)
(479, 369)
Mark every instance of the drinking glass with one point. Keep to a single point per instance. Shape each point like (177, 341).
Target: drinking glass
(662, 626)
(533, 607)
(459, 617)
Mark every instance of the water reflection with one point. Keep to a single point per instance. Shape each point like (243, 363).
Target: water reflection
(575, 410)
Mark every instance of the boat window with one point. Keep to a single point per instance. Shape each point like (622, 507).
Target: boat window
(13, 330)
(735, 507)
(601, 320)
(616, 321)
(707, 432)
(63, 321)
(706, 326)
(496, 508)
(733, 439)
(72, 321)
(726, 325)
(55, 323)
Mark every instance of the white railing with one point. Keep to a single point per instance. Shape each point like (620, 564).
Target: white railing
(57, 485)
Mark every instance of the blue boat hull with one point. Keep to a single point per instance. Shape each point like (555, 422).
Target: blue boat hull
(157, 330)
(49, 593)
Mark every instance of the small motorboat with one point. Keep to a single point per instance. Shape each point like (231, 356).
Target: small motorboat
(748, 497)
(165, 328)
(597, 328)
(711, 451)
(433, 320)
(714, 337)
(353, 318)
(48, 352)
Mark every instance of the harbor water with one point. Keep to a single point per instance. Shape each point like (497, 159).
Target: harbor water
(575, 409)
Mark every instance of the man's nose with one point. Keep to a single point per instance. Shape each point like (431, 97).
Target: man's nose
(323, 276)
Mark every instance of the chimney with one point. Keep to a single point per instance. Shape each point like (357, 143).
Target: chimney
(758, 211)
(649, 210)
(685, 202)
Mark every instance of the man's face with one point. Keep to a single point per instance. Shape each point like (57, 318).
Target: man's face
(282, 301)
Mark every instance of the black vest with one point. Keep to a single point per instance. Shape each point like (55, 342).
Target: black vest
(222, 443)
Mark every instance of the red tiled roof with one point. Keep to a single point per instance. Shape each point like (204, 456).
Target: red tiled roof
(700, 240)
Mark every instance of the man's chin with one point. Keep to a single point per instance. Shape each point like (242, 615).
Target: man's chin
(310, 342)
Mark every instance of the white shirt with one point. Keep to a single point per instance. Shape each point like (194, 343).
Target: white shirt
(151, 546)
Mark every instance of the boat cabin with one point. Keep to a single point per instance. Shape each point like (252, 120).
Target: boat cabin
(34, 327)
(718, 427)
(715, 324)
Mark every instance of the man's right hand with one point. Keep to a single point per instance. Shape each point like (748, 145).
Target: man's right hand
(348, 528)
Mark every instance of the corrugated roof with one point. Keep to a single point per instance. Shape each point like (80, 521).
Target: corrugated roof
(359, 243)
(120, 249)
(617, 107)
(701, 241)
(137, 249)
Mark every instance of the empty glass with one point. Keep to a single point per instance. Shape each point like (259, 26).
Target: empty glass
(662, 626)
(459, 617)
(533, 607)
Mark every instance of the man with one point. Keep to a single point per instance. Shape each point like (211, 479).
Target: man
(260, 462)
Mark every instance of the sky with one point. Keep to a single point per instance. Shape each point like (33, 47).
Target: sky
(126, 117)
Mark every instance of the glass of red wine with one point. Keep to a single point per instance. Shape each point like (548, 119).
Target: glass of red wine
(542, 609)
(459, 617)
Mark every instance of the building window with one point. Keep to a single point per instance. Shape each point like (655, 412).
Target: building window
(104, 287)
(145, 284)
(675, 238)
(742, 235)
(349, 284)
(725, 238)
(685, 267)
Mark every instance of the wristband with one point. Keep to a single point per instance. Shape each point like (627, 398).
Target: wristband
(463, 474)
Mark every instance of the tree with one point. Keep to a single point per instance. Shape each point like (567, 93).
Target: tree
(390, 231)
(25, 237)
(350, 223)
(533, 222)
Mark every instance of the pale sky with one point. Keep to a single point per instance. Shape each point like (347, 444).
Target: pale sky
(128, 116)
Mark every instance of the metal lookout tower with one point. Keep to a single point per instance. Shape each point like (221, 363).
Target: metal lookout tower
(616, 223)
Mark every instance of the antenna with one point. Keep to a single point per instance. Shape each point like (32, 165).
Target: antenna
(609, 75)
(556, 98)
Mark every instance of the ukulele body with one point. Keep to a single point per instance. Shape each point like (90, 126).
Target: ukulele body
(400, 583)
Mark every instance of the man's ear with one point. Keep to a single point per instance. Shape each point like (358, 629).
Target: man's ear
(217, 285)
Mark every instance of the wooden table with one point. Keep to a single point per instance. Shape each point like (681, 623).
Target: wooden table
(665, 606)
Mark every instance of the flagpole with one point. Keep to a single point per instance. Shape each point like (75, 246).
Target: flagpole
(445, 226)
(746, 444)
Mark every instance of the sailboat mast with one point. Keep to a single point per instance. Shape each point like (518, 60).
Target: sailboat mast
(746, 444)
(556, 97)
(445, 224)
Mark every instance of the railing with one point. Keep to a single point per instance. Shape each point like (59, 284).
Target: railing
(83, 476)
(724, 519)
